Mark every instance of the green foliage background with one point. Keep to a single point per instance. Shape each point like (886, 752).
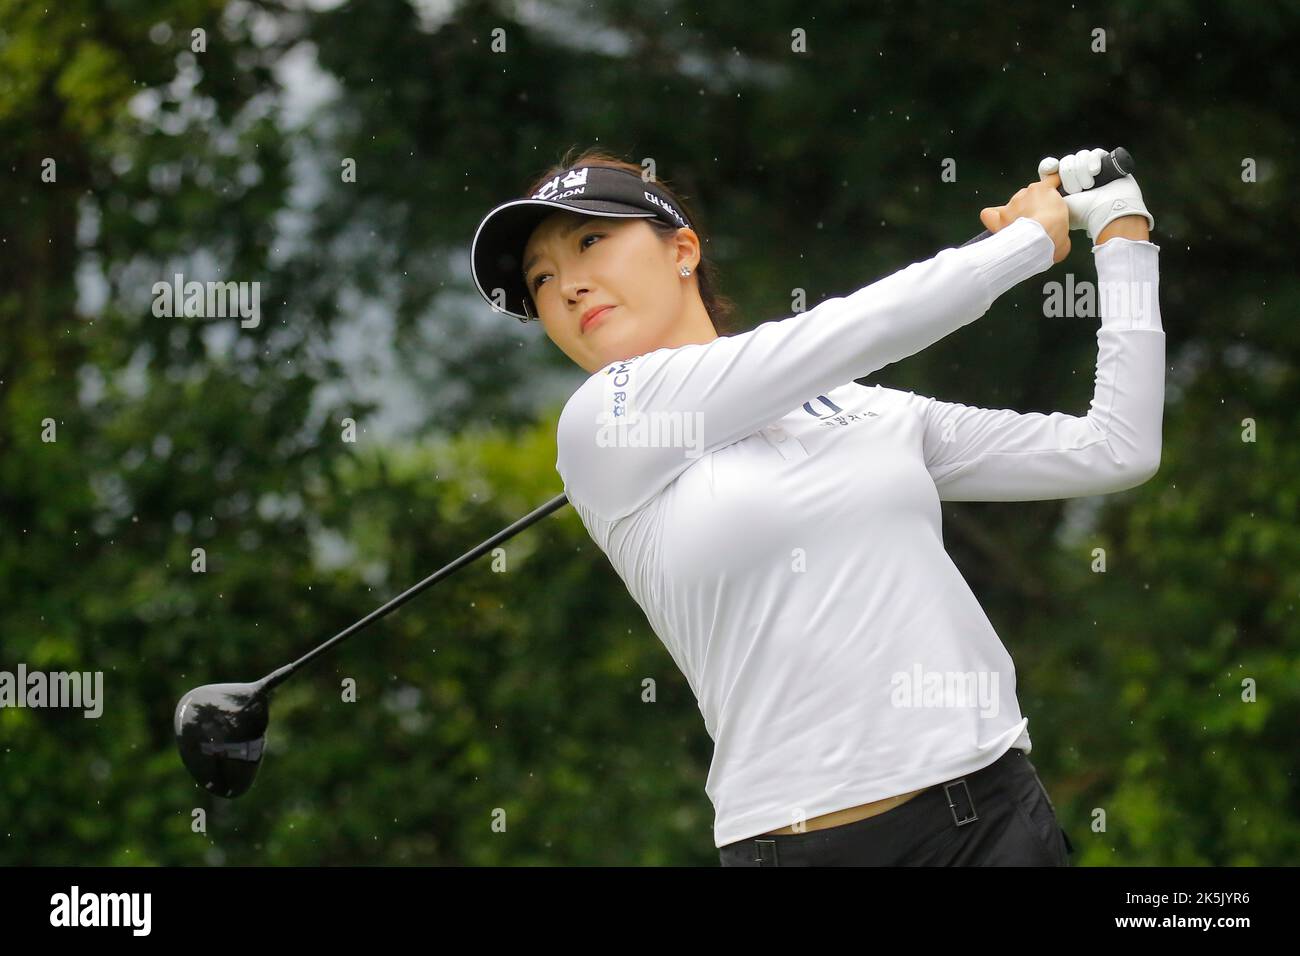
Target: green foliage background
(521, 689)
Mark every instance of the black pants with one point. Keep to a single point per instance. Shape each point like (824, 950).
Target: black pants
(998, 816)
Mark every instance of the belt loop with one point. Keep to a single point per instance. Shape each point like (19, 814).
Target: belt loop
(952, 807)
(765, 853)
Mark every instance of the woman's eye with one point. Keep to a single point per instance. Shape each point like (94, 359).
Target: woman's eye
(591, 235)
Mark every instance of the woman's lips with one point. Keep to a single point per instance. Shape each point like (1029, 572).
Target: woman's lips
(596, 318)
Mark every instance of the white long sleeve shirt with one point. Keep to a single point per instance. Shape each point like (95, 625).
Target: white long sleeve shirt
(779, 524)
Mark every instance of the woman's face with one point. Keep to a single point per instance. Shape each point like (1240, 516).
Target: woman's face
(573, 263)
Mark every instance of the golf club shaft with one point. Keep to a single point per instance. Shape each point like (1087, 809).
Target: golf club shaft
(1119, 163)
(282, 674)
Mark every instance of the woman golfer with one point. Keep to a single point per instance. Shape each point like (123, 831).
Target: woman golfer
(779, 523)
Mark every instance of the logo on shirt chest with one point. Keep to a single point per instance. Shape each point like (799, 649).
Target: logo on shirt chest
(830, 415)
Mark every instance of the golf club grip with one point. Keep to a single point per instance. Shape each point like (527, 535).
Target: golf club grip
(1118, 163)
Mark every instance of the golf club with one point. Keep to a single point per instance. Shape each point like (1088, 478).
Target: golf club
(221, 728)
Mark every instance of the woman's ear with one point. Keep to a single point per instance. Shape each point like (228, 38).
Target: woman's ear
(688, 248)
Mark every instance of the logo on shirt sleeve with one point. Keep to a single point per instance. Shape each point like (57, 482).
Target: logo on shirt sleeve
(620, 424)
(617, 404)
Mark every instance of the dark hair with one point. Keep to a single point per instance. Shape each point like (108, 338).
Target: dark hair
(721, 309)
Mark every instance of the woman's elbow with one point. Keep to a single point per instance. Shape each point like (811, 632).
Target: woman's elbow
(1138, 474)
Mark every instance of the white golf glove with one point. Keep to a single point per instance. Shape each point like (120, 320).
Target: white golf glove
(1094, 209)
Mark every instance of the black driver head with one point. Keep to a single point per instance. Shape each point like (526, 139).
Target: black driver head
(221, 733)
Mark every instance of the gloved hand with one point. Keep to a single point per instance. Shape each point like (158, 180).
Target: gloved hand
(1094, 209)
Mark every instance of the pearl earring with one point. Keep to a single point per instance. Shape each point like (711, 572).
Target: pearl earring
(686, 270)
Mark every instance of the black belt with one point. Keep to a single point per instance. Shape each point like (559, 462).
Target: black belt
(956, 794)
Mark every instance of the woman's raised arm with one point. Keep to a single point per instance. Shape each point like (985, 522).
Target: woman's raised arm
(996, 454)
(701, 397)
